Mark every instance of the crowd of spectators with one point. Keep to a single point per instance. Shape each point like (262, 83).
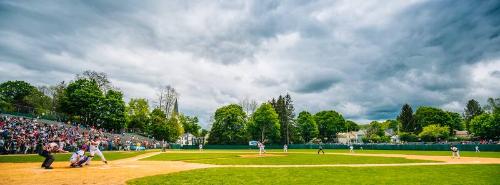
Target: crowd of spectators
(20, 135)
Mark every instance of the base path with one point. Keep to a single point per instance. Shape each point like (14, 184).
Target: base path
(116, 172)
(119, 171)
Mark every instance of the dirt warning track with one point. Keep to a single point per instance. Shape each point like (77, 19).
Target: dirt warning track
(119, 171)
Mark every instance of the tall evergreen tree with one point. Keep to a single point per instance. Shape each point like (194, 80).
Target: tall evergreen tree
(472, 109)
(406, 118)
(285, 110)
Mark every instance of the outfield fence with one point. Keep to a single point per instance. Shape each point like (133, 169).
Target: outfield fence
(430, 147)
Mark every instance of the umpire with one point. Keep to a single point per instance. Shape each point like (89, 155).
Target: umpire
(47, 151)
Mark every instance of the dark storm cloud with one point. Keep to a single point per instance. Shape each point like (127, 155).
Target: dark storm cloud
(315, 85)
(362, 58)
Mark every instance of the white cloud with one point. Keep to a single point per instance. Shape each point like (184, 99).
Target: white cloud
(363, 59)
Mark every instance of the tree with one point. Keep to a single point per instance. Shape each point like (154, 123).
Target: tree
(163, 128)
(456, 121)
(408, 137)
(285, 110)
(329, 124)
(159, 125)
(204, 133)
(248, 105)
(167, 98)
(265, 121)
(308, 128)
(190, 124)
(375, 128)
(57, 95)
(406, 119)
(229, 126)
(485, 126)
(425, 116)
(391, 124)
(82, 101)
(472, 109)
(100, 78)
(40, 103)
(138, 114)
(112, 111)
(493, 105)
(174, 129)
(351, 125)
(434, 132)
(5, 105)
(15, 92)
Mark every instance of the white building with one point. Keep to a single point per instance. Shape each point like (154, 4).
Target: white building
(351, 137)
(190, 139)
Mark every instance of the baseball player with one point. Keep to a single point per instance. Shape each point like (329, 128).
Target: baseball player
(47, 151)
(455, 152)
(201, 147)
(94, 149)
(78, 158)
(320, 148)
(351, 149)
(285, 148)
(477, 148)
(261, 148)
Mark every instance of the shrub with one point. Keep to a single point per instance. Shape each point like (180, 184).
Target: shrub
(434, 132)
(408, 137)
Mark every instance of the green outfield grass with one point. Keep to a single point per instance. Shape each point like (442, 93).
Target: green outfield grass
(406, 152)
(110, 156)
(282, 159)
(445, 174)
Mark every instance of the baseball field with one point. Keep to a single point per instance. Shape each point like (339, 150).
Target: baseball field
(248, 167)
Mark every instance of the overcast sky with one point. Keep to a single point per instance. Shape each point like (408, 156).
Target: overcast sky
(363, 59)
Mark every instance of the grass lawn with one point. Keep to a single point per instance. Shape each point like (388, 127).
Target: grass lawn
(445, 174)
(420, 152)
(110, 156)
(284, 159)
(407, 152)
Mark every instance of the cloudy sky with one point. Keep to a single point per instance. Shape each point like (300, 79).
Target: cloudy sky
(362, 58)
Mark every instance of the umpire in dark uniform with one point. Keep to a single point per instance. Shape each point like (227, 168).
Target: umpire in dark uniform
(48, 149)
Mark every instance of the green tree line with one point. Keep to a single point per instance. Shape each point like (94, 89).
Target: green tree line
(90, 100)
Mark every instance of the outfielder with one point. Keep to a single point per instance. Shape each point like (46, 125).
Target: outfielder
(320, 148)
(94, 149)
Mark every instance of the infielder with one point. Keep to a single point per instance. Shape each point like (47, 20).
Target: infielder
(261, 148)
(455, 152)
(94, 149)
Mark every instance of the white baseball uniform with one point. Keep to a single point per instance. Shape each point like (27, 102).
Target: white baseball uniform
(94, 149)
